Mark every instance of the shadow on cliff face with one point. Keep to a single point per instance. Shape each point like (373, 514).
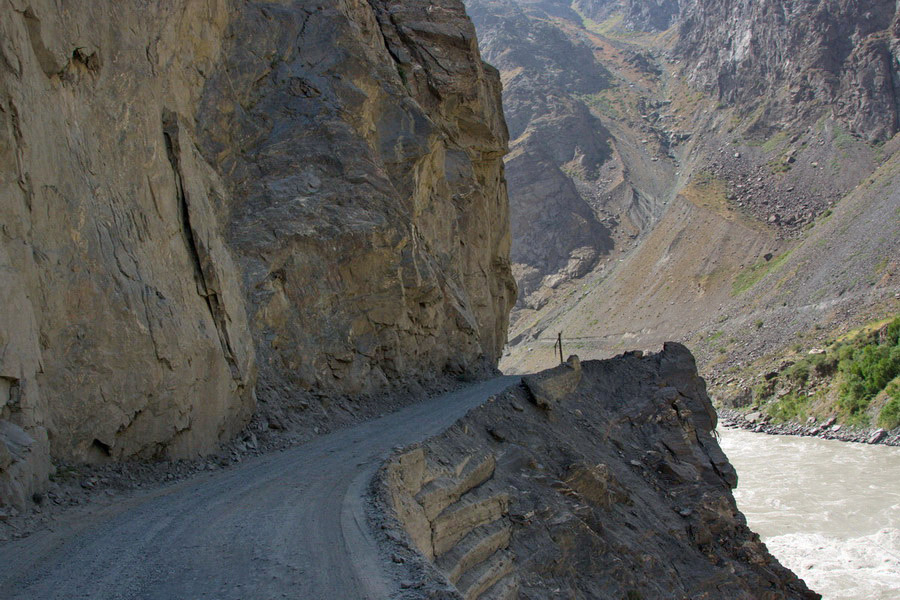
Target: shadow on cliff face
(601, 480)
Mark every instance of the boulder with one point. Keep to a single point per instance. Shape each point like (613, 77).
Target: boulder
(547, 388)
(24, 465)
(877, 436)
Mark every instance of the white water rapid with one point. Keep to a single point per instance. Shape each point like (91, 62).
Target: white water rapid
(828, 510)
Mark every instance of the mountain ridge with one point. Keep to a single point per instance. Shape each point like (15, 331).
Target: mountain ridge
(721, 191)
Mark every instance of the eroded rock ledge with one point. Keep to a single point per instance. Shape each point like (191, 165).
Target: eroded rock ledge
(617, 489)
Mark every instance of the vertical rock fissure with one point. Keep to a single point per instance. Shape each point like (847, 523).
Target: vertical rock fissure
(23, 179)
(173, 151)
(387, 42)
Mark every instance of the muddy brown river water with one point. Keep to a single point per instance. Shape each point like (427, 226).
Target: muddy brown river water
(829, 510)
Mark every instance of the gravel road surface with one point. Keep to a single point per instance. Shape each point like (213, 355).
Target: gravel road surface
(287, 525)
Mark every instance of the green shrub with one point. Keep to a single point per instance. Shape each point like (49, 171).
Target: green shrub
(889, 417)
(866, 366)
(823, 365)
(858, 369)
(791, 406)
(798, 373)
(761, 392)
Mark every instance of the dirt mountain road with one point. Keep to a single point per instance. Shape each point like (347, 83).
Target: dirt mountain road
(286, 525)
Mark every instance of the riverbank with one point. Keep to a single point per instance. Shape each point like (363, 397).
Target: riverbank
(759, 422)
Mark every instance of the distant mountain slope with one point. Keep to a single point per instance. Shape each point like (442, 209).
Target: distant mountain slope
(795, 59)
(757, 144)
(579, 187)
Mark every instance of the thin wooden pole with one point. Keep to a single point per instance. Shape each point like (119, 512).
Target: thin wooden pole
(559, 341)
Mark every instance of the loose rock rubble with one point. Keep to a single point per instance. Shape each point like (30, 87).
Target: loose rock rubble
(827, 430)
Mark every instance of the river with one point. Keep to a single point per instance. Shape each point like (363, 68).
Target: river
(828, 510)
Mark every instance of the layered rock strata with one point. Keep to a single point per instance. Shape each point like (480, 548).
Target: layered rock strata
(614, 488)
(203, 203)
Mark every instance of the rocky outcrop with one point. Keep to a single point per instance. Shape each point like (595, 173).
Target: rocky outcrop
(547, 74)
(549, 387)
(837, 56)
(206, 203)
(621, 491)
(457, 518)
(370, 216)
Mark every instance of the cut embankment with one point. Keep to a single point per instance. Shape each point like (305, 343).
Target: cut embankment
(599, 480)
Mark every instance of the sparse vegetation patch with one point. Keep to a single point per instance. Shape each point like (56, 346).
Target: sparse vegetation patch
(750, 276)
(856, 377)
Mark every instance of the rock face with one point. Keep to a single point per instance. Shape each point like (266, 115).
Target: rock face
(621, 491)
(547, 74)
(369, 213)
(202, 204)
(640, 15)
(123, 327)
(652, 15)
(838, 53)
(549, 387)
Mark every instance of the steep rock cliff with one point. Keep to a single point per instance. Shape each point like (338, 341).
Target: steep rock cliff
(840, 56)
(364, 145)
(125, 332)
(194, 193)
(594, 480)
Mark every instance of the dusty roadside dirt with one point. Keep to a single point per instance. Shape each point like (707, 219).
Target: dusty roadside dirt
(287, 525)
